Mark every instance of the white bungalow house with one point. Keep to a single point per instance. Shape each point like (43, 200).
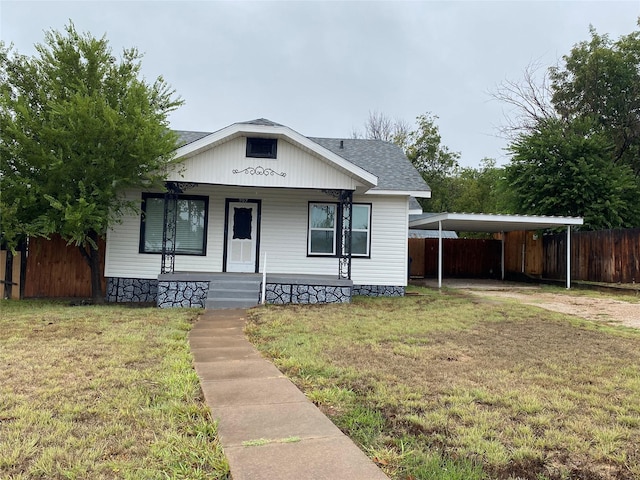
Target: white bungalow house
(320, 218)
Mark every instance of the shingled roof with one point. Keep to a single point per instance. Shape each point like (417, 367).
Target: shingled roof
(385, 160)
(185, 137)
(382, 159)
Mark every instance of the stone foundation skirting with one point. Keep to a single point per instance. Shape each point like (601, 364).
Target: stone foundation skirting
(283, 293)
(192, 290)
(137, 290)
(378, 290)
(182, 294)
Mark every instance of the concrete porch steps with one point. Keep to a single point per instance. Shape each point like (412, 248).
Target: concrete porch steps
(234, 291)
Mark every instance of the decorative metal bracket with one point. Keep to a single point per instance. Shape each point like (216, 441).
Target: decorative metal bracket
(259, 170)
(179, 187)
(332, 193)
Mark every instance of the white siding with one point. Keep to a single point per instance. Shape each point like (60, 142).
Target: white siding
(283, 237)
(294, 168)
(389, 246)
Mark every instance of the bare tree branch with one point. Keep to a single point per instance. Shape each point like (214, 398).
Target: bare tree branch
(378, 126)
(529, 101)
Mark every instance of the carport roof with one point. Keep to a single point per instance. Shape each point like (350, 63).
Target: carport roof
(484, 222)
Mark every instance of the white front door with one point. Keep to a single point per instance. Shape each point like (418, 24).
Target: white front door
(242, 236)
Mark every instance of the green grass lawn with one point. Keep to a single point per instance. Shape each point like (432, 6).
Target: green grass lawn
(443, 386)
(101, 392)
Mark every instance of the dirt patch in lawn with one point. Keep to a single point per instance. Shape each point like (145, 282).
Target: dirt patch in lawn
(590, 308)
(614, 308)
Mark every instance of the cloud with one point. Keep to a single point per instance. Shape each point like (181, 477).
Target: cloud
(320, 67)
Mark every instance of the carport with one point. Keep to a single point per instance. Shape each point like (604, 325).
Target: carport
(491, 223)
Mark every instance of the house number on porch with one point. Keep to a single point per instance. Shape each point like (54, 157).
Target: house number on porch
(259, 170)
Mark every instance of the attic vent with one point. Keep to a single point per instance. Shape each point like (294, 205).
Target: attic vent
(262, 147)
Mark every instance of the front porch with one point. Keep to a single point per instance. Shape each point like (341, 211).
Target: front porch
(239, 290)
(243, 290)
(229, 290)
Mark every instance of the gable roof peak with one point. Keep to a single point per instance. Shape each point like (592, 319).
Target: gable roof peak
(262, 121)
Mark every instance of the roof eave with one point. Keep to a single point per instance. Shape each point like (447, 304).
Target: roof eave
(484, 222)
(410, 193)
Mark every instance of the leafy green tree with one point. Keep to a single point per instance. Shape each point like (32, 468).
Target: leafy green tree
(478, 189)
(435, 162)
(565, 168)
(600, 79)
(454, 189)
(578, 147)
(78, 127)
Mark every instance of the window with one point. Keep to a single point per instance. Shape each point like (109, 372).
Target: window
(322, 228)
(323, 224)
(360, 231)
(262, 147)
(191, 224)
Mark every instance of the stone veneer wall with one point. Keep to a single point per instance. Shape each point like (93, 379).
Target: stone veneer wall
(378, 290)
(192, 293)
(182, 294)
(282, 293)
(140, 290)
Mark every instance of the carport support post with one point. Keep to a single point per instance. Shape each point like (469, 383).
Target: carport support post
(502, 255)
(439, 254)
(568, 257)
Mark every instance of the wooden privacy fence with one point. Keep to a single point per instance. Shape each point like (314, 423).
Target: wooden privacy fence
(462, 257)
(524, 253)
(611, 256)
(55, 269)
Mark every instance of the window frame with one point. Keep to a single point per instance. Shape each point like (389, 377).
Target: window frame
(251, 153)
(368, 230)
(147, 195)
(336, 229)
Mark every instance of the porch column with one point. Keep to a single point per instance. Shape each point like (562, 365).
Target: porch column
(169, 226)
(170, 219)
(346, 208)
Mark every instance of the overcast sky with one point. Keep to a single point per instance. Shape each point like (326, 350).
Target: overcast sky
(320, 67)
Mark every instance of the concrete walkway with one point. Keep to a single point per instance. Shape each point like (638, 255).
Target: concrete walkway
(267, 427)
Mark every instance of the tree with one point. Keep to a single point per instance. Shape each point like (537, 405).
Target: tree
(453, 188)
(78, 127)
(565, 168)
(478, 189)
(529, 100)
(379, 126)
(435, 162)
(578, 133)
(601, 80)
